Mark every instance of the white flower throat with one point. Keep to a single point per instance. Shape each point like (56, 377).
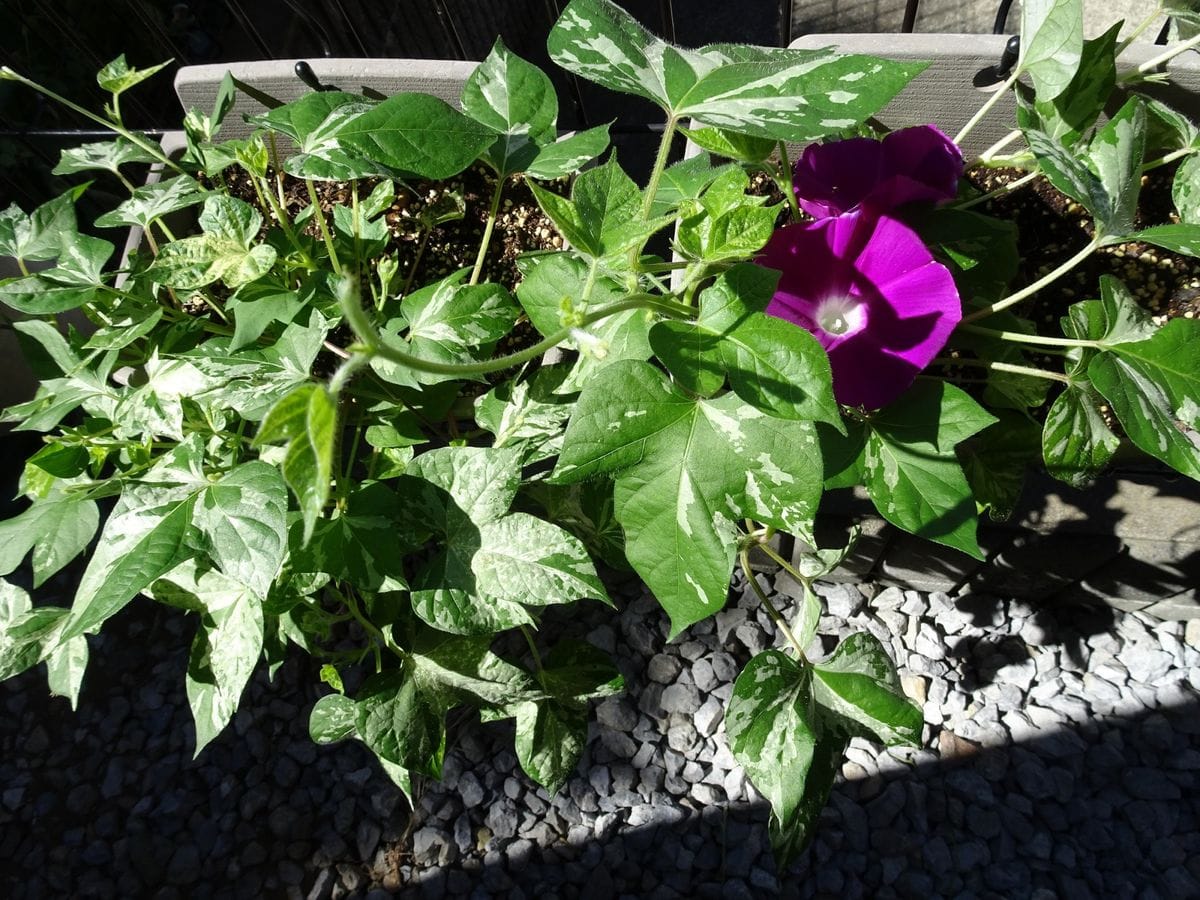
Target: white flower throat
(840, 316)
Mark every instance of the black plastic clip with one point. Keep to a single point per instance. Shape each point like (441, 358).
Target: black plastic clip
(305, 73)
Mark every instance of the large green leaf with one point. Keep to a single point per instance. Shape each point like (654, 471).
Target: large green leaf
(57, 529)
(771, 364)
(858, 683)
(107, 156)
(26, 632)
(465, 669)
(307, 120)
(363, 543)
(1182, 238)
(448, 322)
(1185, 190)
(774, 734)
(144, 538)
(777, 94)
(1076, 441)
(118, 76)
(402, 722)
(417, 133)
(243, 520)
(603, 215)
(481, 482)
(1115, 154)
(1153, 387)
(39, 235)
(227, 645)
(548, 280)
(37, 295)
(568, 154)
(549, 741)
(492, 563)
(1051, 43)
(912, 474)
(515, 99)
(151, 201)
(306, 418)
(685, 476)
(65, 667)
(525, 559)
(1068, 116)
(996, 459)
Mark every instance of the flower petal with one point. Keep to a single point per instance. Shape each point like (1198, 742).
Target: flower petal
(830, 179)
(907, 303)
(907, 166)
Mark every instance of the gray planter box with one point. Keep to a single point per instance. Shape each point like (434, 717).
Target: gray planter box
(197, 85)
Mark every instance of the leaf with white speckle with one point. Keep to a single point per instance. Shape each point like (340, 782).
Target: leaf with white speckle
(687, 470)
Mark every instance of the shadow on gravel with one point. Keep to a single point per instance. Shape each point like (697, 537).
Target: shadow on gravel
(107, 802)
(1103, 810)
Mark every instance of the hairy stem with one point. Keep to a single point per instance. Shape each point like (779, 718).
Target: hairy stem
(7, 74)
(998, 192)
(995, 366)
(1031, 289)
(988, 104)
(1020, 337)
(319, 214)
(1166, 56)
(785, 181)
(372, 345)
(660, 165)
(488, 228)
(775, 614)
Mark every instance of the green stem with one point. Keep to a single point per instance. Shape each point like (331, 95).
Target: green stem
(991, 151)
(537, 657)
(774, 613)
(660, 164)
(346, 372)
(488, 228)
(285, 223)
(274, 151)
(356, 217)
(358, 321)
(7, 74)
(21, 265)
(995, 366)
(208, 301)
(368, 626)
(784, 564)
(1169, 158)
(1020, 337)
(1166, 56)
(785, 181)
(1000, 191)
(319, 214)
(987, 106)
(1031, 289)
(412, 270)
(1138, 29)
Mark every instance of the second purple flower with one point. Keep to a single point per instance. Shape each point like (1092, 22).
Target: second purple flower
(908, 165)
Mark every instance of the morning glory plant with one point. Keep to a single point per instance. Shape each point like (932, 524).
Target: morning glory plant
(279, 423)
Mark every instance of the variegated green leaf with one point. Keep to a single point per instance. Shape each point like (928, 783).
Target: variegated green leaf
(859, 685)
(769, 93)
(685, 475)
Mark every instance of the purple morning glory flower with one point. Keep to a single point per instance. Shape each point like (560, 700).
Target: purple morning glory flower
(909, 165)
(871, 293)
